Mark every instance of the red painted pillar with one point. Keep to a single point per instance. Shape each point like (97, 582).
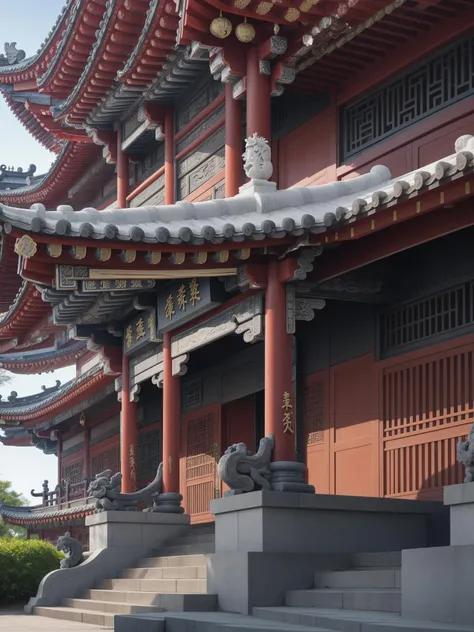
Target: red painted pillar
(279, 399)
(122, 172)
(258, 98)
(87, 455)
(171, 421)
(128, 433)
(169, 157)
(60, 465)
(233, 143)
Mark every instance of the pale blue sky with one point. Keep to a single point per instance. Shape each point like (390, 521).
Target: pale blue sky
(27, 23)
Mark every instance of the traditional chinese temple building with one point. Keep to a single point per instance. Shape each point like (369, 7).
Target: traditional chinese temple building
(325, 295)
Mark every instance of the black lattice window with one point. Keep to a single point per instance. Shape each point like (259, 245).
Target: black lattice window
(73, 473)
(108, 460)
(149, 453)
(425, 89)
(192, 394)
(436, 315)
(313, 412)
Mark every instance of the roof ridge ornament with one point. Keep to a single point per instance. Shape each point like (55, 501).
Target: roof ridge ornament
(257, 166)
(12, 56)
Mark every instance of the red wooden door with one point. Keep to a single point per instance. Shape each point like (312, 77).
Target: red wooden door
(238, 424)
(316, 430)
(201, 450)
(238, 419)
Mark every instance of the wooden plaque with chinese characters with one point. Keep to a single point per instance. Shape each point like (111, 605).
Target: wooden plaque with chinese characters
(187, 299)
(140, 331)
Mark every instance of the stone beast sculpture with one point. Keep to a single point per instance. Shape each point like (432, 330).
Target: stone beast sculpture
(72, 549)
(257, 158)
(465, 455)
(243, 471)
(105, 488)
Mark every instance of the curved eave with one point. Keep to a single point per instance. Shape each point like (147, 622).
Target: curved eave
(156, 42)
(29, 68)
(66, 396)
(120, 28)
(44, 360)
(24, 313)
(33, 125)
(73, 52)
(36, 517)
(249, 216)
(72, 161)
(10, 282)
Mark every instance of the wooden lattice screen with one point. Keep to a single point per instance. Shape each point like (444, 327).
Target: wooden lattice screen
(428, 406)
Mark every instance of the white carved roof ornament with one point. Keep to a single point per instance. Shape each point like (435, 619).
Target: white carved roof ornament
(252, 214)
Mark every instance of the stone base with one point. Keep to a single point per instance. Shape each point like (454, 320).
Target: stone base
(281, 522)
(437, 584)
(460, 500)
(255, 186)
(268, 542)
(169, 503)
(289, 476)
(122, 529)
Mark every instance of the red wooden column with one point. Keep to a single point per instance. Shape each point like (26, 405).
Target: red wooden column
(258, 98)
(87, 454)
(128, 433)
(169, 157)
(233, 143)
(60, 464)
(279, 405)
(123, 174)
(171, 421)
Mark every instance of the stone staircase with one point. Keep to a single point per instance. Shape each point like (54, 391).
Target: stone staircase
(364, 598)
(173, 579)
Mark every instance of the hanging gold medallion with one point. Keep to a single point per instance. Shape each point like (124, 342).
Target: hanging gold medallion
(245, 32)
(221, 27)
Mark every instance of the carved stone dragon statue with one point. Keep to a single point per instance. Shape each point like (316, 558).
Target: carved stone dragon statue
(465, 455)
(243, 471)
(105, 488)
(72, 549)
(257, 158)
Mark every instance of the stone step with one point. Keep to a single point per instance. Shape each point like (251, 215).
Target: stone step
(166, 572)
(80, 616)
(156, 585)
(359, 578)
(351, 620)
(201, 548)
(201, 622)
(111, 607)
(380, 600)
(389, 559)
(167, 561)
(195, 538)
(177, 602)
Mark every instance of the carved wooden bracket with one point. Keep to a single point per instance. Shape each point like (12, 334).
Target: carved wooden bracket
(300, 308)
(108, 140)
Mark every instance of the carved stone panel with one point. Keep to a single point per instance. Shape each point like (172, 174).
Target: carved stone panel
(190, 106)
(200, 128)
(204, 163)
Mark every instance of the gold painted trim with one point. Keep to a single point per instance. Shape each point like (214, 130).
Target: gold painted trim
(99, 274)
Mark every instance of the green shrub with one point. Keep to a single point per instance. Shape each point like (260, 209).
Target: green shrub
(23, 564)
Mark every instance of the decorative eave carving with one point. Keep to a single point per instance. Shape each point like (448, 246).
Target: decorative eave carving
(300, 308)
(108, 140)
(244, 318)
